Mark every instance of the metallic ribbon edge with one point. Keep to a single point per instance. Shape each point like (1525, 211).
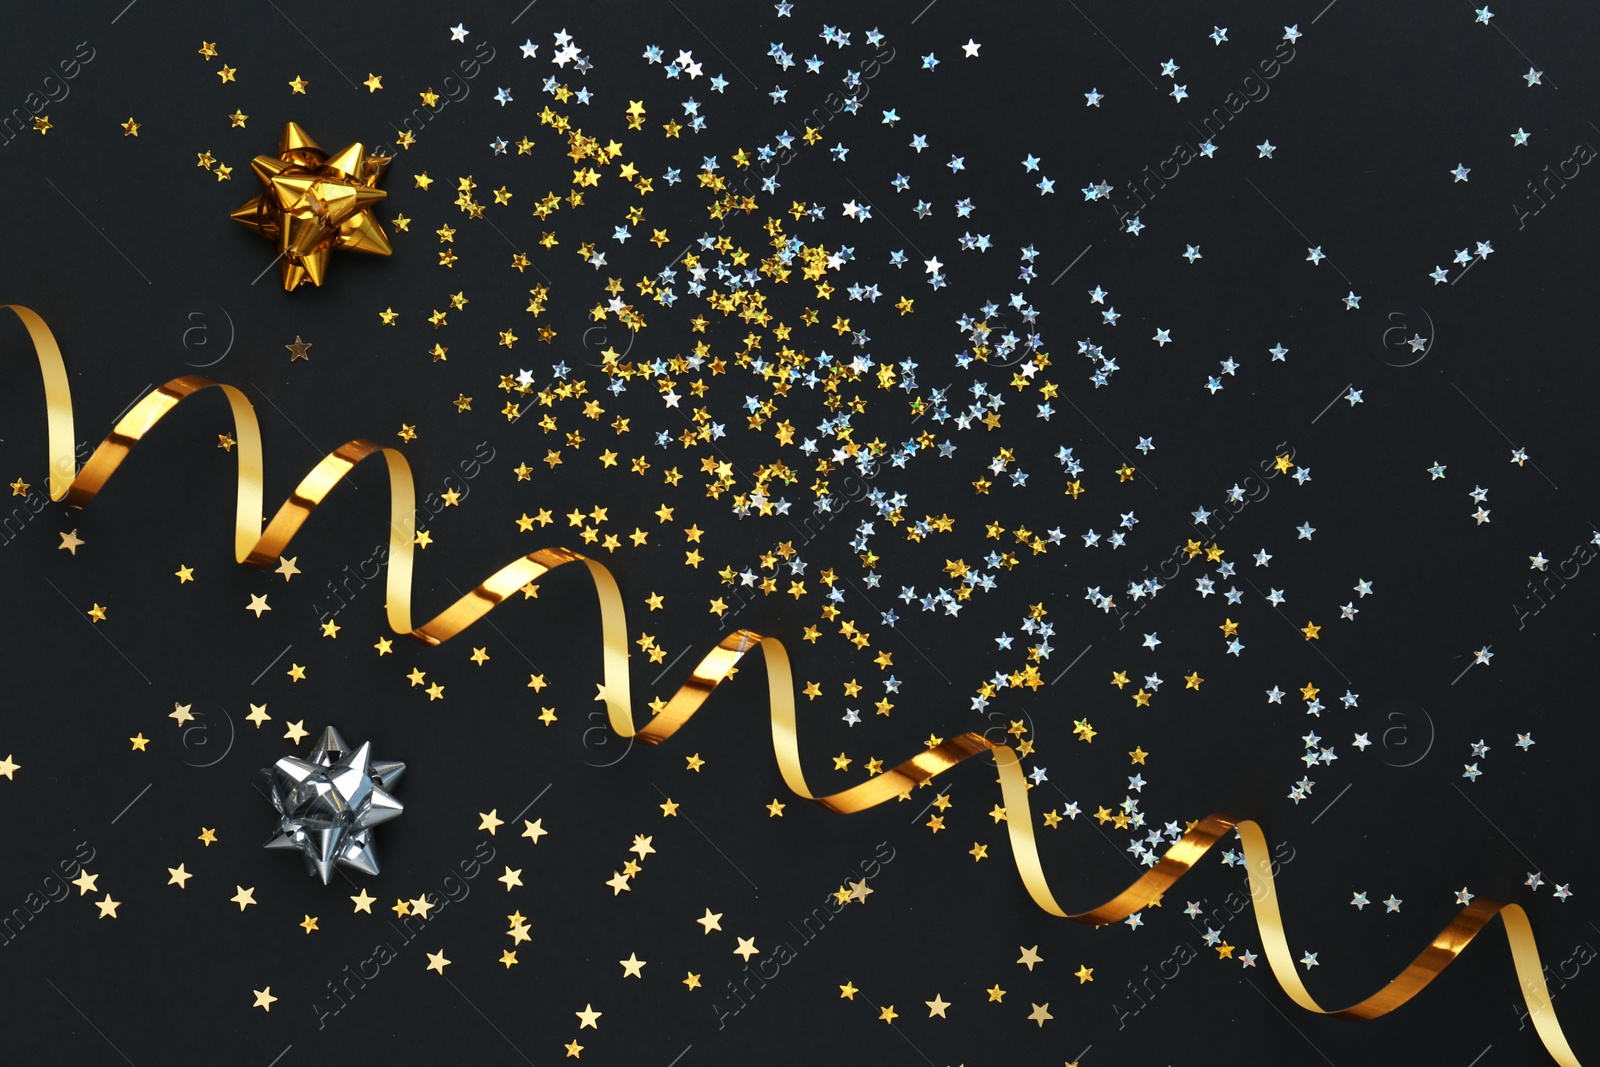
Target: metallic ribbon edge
(260, 548)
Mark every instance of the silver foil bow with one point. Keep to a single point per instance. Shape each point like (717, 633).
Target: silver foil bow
(329, 802)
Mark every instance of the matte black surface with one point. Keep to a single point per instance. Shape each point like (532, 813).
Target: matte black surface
(124, 246)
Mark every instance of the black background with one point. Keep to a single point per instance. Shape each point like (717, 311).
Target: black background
(120, 242)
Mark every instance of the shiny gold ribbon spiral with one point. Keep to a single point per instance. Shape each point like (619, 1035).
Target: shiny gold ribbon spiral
(253, 546)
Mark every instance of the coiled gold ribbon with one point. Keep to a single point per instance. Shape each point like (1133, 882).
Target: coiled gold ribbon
(261, 548)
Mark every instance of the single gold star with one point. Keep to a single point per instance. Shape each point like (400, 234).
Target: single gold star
(226, 73)
(258, 604)
(8, 768)
(1312, 631)
(373, 83)
(480, 656)
(1041, 1014)
(298, 85)
(996, 994)
(264, 999)
(573, 1049)
(937, 1006)
(534, 830)
(296, 672)
(208, 837)
(184, 573)
(437, 962)
(633, 966)
(97, 613)
(669, 808)
(70, 542)
(296, 732)
(298, 349)
(692, 981)
(384, 646)
(587, 1017)
(181, 713)
(236, 120)
(711, 921)
(308, 924)
(243, 897)
(139, 742)
(512, 878)
(1084, 974)
(848, 991)
(363, 902)
(287, 568)
(86, 883)
(1030, 956)
(888, 1014)
(747, 948)
(490, 821)
(179, 876)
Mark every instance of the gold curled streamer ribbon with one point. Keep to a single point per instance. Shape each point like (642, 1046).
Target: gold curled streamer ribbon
(260, 548)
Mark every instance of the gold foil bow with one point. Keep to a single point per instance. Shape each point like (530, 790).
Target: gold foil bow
(260, 548)
(312, 203)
